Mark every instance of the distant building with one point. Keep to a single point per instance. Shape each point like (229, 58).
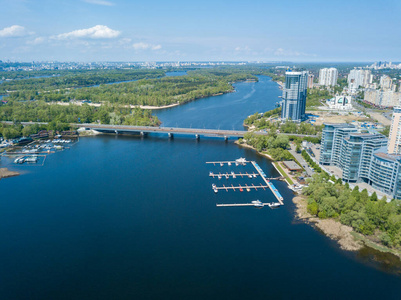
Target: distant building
(382, 98)
(311, 77)
(294, 96)
(357, 78)
(394, 142)
(386, 83)
(340, 103)
(328, 76)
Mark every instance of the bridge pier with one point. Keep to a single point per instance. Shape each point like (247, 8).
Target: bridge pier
(197, 137)
(170, 135)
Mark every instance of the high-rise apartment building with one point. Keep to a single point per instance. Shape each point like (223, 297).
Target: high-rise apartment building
(357, 78)
(394, 142)
(294, 96)
(311, 77)
(328, 76)
(386, 83)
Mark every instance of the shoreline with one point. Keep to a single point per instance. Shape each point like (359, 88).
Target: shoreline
(5, 173)
(345, 236)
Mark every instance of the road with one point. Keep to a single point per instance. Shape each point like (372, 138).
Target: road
(301, 160)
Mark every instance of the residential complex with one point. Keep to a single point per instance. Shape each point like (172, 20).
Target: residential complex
(362, 157)
(382, 98)
(386, 96)
(357, 78)
(328, 76)
(294, 96)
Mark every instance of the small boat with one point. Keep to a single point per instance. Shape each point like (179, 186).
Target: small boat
(233, 174)
(250, 176)
(19, 160)
(257, 203)
(219, 176)
(31, 159)
(274, 205)
(226, 176)
(214, 188)
(240, 189)
(248, 189)
(241, 161)
(211, 174)
(221, 164)
(229, 163)
(236, 163)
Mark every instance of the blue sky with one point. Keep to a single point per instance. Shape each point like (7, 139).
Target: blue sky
(169, 30)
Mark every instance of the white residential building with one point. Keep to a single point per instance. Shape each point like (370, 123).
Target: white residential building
(328, 76)
(357, 78)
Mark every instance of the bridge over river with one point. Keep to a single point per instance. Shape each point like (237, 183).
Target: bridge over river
(197, 132)
(171, 131)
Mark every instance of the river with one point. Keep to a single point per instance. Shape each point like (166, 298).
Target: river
(120, 217)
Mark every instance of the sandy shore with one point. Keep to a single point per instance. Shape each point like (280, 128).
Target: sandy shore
(250, 147)
(5, 173)
(333, 229)
(80, 103)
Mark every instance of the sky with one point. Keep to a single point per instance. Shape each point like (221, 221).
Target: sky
(207, 30)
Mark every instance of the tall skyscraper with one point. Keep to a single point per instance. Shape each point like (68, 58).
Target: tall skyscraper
(294, 96)
(394, 142)
(328, 77)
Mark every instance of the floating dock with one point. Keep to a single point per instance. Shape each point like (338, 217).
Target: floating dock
(257, 205)
(274, 190)
(234, 175)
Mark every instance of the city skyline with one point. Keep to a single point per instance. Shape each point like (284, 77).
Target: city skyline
(119, 30)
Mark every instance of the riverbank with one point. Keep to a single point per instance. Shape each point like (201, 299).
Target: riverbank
(5, 173)
(333, 229)
(345, 236)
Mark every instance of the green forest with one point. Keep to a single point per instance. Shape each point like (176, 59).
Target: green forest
(73, 79)
(378, 219)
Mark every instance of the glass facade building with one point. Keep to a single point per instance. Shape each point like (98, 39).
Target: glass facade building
(385, 174)
(294, 96)
(332, 140)
(362, 157)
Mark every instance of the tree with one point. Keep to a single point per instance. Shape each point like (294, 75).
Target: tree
(374, 197)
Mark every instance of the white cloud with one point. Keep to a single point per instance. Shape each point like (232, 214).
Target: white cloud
(284, 52)
(100, 2)
(36, 41)
(14, 31)
(244, 49)
(96, 32)
(145, 46)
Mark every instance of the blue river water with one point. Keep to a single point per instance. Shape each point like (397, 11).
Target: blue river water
(122, 217)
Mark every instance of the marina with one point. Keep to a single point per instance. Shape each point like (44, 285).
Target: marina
(242, 161)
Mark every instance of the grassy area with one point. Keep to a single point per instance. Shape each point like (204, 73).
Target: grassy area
(283, 173)
(369, 243)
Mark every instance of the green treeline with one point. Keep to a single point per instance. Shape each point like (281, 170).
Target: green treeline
(29, 88)
(60, 116)
(377, 219)
(273, 144)
(314, 96)
(262, 121)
